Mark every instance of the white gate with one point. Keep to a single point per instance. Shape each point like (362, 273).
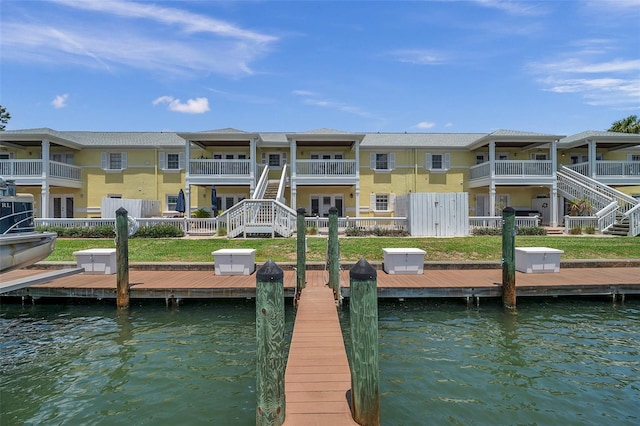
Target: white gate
(437, 214)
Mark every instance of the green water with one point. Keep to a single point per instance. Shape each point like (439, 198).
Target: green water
(555, 362)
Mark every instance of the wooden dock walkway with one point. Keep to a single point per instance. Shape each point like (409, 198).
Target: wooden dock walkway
(452, 283)
(317, 376)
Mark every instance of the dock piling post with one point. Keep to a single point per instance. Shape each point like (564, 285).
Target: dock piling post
(365, 374)
(334, 253)
(270, 345)
(301, 256)
(508, 258)
(122, 258)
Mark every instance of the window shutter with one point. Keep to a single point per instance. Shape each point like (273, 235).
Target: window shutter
(123, 155)
(372, 201)
(372, 161)
(104, 165)
(163, 160)
(392, 202)
(264, 158)
(447, 161)
(284, 158)
(181, 163)
(392, 161)
(428, 162)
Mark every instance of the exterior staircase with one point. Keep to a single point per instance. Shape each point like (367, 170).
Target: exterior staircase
(616, 213)
(271, 193)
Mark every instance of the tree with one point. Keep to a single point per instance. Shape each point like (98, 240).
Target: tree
(4, 117)
(631, 124)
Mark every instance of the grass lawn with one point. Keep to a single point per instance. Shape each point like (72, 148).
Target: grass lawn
(351, 249)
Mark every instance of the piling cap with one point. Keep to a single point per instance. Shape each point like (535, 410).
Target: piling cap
(121, 211)
(269, 272)
(333, 210)
(363, 271)
(301, 211)
(509, 211)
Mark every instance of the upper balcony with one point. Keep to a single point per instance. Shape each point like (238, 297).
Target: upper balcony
(611, 172)
(326, 172)
(29, 172)
(512, 172)
(221, 171)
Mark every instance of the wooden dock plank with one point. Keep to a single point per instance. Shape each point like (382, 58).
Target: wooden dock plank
(317, 377)
(433, 283)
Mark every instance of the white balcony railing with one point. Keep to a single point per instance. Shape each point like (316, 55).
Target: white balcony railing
(219, 167)
(610, 169)
(324, 168)
(516, 168)
(12, 169)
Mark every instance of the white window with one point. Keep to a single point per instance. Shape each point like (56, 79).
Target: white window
(481, 158)
(634, 157)
(62, 157)
(274, 159)
(172, 160)
(113, 161)
(172, 200)
(382, 202)
(437, 162)
(538, 156)
(382, 161)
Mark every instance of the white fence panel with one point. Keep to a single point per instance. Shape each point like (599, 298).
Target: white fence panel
(438, 214)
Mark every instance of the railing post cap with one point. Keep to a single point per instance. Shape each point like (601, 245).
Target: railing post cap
(363, 271)
(270, 271)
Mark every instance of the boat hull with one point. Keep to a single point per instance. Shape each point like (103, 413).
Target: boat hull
(23, 249)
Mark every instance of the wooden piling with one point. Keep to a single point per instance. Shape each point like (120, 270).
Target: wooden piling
(365, 374)
(270, 345)
(509, 258)
(301, 252)
(333, 253)
(122, 258)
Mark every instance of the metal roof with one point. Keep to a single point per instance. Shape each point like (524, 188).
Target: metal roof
(420, 140)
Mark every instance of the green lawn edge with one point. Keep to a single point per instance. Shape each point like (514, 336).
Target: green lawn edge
(458, 249)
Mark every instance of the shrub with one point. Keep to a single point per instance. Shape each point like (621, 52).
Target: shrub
(222, 231)
(576, 230)
(532, 230)
(590, 230)
(202, 213)
(354, 231)
(312, 230)
(486, 231)
(158, 231)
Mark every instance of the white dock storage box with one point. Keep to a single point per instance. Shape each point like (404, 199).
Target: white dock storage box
(97, 261)
(409, 261)
(234, 261)
(532, 260)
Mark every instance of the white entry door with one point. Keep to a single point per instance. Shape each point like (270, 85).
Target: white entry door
(62, 206)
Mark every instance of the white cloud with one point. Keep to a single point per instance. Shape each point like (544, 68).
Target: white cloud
(192, 106)
(449, 124)
(110, 34)
(60, 101)
(311, 98)
(513, 7)
(420, 56)
(593, 73)
(425, 125)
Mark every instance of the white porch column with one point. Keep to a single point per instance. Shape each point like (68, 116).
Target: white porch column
(592, 158)
(252, 165)
(294, 186)
(357, 149)
(45, 210)
(187, 167)
(492, 183)
(553, 199)
(187, 199)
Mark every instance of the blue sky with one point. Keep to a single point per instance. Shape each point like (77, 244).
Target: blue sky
(557, 67)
